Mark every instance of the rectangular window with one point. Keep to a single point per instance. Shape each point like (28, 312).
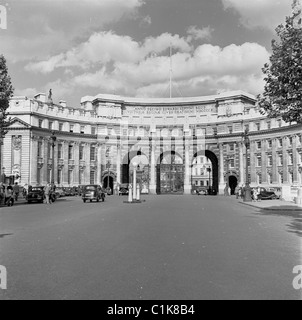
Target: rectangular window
(92, 177)
(60, 126)
(40, 123)
(270, 161)
(257, 126)
(82, 129)
(280, 160)
(232, 163)
(259, 145)
(60, 151)
(49, 149)
(290, 159)
(70, 172)
(259, 162)
(280, 143)
(290, 141)
(50, 125)
(71, 128)
(93, 130)
(279, 123)
(230, 129)
(270, 144)
(92, 153)
(81, 152)
(70, 152)
(59, 176)
(39, 149)
(269, 125)
(232, 147)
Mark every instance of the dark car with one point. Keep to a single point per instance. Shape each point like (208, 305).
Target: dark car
(202, 191)
(267, 195)
(35, 194)
(123, 190)
(93, 193)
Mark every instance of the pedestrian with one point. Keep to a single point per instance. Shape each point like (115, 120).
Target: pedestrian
(254, 194)
(237, 190)
(2, 193)
(47, 193)
(16, 190)
(258, 194)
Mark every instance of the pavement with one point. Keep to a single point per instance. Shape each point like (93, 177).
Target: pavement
(274, 205)
(166, 248)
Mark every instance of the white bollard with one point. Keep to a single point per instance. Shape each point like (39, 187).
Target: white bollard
(130, 199)
(138, 193)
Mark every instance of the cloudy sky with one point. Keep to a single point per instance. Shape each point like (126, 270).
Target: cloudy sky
(87, 47)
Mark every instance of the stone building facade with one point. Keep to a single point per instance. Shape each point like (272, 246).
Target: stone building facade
(100, 141)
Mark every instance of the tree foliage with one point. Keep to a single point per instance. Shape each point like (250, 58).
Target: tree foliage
(6, 92)
(282, 95)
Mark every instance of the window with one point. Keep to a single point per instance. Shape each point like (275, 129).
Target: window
(49, 150)
(280, 143)
(59, 176)
(269, 178)
(81, 152)
(39, 149)
(232, 147)
(232, 163)
(290, 159)
(257, 126)
(280, 160)
(270, 160)
(60, 126)
(82, 129)
(71, 128)
(70, 176)
(230, 129)
(92, 177)
(81, 177)
(70, 152)
(50, 125)
(92, 153)
(290, 141)
(93, 130)
(279, 123)
(269, 144)
(258, 145)
(40, 123)
(269, 125)
(60, 153)
(259, 162)
(259, 178)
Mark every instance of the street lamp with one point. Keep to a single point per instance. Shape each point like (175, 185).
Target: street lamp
(247, 190)
(209, 169)
(53, 140)
(108, 165)
(226, 192)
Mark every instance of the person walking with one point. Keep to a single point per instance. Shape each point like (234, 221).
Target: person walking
(47, 192)
(16, 190)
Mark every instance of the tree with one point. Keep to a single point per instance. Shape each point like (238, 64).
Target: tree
(282, 95)
(6, 92)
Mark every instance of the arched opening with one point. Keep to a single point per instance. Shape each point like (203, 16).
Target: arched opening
(142, 162)
(108, 182)
(233, 182)
(170, 173)
(204, 172)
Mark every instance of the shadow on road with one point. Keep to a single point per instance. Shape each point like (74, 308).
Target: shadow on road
(5, 235)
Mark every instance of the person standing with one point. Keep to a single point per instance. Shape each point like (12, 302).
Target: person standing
(16, 190)
(47, 193)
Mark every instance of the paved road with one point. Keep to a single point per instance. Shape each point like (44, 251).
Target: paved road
(170, 247)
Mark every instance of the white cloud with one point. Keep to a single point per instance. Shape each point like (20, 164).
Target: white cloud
(260, 13)
(200, 34)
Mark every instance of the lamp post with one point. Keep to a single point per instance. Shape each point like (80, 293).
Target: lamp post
(247, 189)
(210, 187)
(226, 193)
(53, 140)
(108, 165)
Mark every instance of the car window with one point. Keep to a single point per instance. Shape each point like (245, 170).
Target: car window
(90, 188)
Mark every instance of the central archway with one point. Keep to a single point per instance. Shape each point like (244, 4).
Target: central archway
(210, 173)
(170, 174)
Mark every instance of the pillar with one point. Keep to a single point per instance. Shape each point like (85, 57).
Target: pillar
(221, 170)
(188, 186)
(34, 161)
(241, 164)
(152, 186)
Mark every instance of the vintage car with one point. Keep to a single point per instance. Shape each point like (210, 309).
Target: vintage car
(202, 191)
(35, 194)
(123, 190)
(266, 194)
(93, 193)
(60, 192)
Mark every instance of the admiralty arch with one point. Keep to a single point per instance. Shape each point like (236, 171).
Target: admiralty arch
(102, 139)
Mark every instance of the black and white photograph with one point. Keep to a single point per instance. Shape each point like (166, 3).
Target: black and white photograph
(150, 153)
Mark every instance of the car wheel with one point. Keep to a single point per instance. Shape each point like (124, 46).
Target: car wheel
(84, 200)
(103, 199)
(90, 201)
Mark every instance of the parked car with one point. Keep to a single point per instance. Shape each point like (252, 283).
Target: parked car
(35, 194)
(202, 191)
(93, 193)
(123, 190)
(266, 194)
(60, 192)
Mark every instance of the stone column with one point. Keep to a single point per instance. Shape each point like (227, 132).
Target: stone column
(87, 162)
(221, 170)
(99, 164)
(76, 181)
(187, 187)
(34, 161)
(118, 163)
(56, 163)
(264, 162)
(65, 168)
(285, 161)
(241, 164)
(253, 163)
(295, 160)
(153, 167)
(44, 170)
(275, 161)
